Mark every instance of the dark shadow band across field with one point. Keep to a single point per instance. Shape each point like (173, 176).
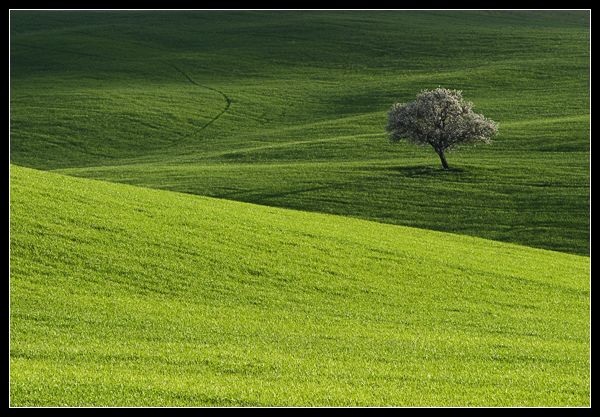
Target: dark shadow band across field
(520, 202)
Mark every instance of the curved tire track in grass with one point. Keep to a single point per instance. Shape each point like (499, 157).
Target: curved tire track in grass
(227, 99)
(179, 70)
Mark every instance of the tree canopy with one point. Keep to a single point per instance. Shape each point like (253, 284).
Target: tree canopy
(440, 118)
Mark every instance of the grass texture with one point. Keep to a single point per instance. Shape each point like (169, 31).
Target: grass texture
(205, 210)
(129, 296)
(288, 109)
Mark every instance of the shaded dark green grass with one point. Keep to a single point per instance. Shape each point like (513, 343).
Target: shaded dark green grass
(301, 101)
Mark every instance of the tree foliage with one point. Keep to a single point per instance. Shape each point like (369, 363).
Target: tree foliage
(440, 118)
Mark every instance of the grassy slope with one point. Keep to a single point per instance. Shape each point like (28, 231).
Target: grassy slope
(124, 295)
(305, 94)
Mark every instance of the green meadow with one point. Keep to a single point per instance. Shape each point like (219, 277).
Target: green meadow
(206, 210)
(127, 296)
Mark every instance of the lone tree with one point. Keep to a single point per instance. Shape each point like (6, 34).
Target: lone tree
(440, 118)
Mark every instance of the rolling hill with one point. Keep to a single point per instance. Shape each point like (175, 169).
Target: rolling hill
(301, 102)
(128, 296)
(205, 210)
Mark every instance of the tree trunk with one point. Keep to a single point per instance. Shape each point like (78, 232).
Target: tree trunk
(443, 159)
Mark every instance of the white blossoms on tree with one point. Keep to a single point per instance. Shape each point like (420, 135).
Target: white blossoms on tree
(440, 118)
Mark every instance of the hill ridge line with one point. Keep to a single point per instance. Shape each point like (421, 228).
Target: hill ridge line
(316, 213)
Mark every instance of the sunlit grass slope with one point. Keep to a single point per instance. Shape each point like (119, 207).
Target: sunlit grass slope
(288, 109)
(130, 296)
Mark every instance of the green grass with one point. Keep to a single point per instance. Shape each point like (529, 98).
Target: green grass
(301, 101)
(128, 296)
(362, 274)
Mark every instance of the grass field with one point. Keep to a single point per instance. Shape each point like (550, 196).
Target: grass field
(161, 285)
(128, 296)
(302, 101)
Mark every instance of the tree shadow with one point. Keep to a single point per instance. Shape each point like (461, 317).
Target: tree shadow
(416, 171)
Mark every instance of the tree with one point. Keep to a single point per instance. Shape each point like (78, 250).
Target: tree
(440, 118)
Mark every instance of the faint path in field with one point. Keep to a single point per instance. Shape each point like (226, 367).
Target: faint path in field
(179, 70)
(190, 79)
(227, 99)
